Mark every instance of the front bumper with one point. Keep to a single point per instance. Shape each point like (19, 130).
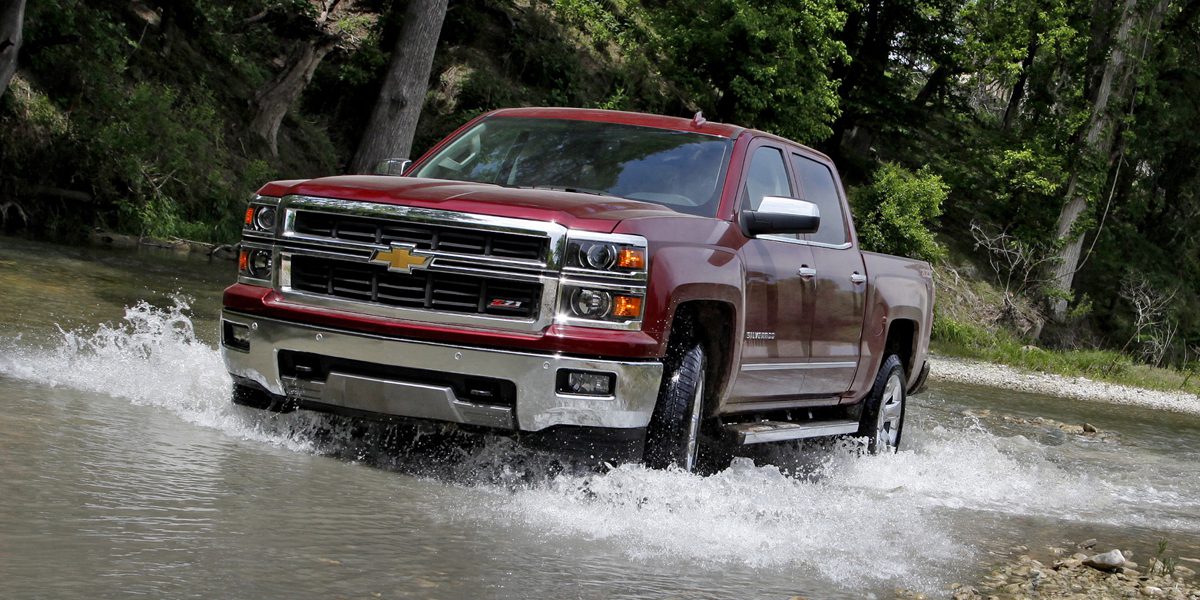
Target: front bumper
(537, 404)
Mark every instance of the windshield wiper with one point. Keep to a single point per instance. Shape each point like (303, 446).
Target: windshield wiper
(559, 188)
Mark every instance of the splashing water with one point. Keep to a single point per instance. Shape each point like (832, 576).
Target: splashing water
(849, 518)
(152, 358)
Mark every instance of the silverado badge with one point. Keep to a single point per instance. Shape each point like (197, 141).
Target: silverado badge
(400, 258)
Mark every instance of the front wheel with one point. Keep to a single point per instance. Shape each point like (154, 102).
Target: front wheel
(883, 410)
(673, 436)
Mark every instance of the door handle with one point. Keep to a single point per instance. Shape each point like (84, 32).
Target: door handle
(807, 272)
(857, 277)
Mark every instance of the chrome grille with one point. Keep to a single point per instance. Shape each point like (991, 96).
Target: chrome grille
(429, 290)
(425, 236)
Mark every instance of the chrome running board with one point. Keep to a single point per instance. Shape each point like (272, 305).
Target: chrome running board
(760, 432)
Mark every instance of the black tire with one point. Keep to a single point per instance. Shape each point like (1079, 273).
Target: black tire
(673, 436)
(889, 394)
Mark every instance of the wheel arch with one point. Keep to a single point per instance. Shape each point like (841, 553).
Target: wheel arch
(903, 334)
(713, 324)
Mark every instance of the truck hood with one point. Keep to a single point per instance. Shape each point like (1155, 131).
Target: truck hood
(575, 210)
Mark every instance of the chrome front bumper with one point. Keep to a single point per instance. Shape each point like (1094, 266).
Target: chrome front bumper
(538, 405)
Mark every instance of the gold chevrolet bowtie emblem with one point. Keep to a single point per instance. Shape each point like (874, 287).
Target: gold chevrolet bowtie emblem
(400, 258)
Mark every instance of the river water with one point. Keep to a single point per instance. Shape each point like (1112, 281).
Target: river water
(124, 470)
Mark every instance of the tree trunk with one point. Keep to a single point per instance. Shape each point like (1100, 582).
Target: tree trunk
(273, 101)
(1018, 93)
(12, 14)
(1134, 29)
(393, 122)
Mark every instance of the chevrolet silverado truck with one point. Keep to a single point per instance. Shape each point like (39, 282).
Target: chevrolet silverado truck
(621, 284)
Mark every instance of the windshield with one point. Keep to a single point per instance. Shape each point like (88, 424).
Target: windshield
(680, 170)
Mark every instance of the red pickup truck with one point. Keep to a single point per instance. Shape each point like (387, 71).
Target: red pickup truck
(616, 283)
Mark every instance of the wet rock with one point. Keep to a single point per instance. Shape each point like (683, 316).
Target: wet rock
(1088, 543)
(1108, 561)
(1089, 428)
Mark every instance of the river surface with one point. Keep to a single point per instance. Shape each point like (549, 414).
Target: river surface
(125, 471)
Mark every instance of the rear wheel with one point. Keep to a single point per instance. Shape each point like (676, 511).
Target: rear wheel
(883, 410)
(673, 437)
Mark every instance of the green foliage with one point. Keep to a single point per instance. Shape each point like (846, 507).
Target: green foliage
(895, 214)
(144, 107)
(759, 64)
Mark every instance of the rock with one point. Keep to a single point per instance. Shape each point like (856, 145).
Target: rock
(1088, 543)
(1089, 428)
(1129, 564)
(1079, 556)
(1152, 591)
(1069, 563)
(1108, 561)
(1072, 429)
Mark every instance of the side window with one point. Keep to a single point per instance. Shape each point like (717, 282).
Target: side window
(819, 188)
(767, 177)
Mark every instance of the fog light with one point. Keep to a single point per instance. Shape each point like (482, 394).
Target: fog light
(585, 383)
(591, 303)
(236, 336)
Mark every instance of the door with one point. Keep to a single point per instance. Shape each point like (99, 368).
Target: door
(841, 287)
(778, 293)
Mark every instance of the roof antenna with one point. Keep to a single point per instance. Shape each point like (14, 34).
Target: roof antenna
(699, 119)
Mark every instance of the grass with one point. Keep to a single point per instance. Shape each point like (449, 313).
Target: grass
(952, 337)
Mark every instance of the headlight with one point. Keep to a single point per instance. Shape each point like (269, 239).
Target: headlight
(264, 219)
(591, 304)
(617, 254)
(262, 216)
(598, 305)
(604, 280)
(255, 263)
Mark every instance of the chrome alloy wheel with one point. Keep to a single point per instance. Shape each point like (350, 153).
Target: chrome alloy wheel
(891, 413)
(693, 428)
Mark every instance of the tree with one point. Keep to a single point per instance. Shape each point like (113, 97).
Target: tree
(320, 34)
(1137, 23)
(393, 122)
(12, 13)
(759, 64)
(901, 54)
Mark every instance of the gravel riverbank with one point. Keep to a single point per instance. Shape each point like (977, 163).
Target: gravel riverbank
(981, 373)
(1087, 574)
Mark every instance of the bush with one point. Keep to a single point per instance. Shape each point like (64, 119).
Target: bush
(895, 214)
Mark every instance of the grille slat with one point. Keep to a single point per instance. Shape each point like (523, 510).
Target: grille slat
(449, 292)
(424, 236)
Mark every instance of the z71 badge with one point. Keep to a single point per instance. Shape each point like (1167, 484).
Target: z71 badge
(505, 303)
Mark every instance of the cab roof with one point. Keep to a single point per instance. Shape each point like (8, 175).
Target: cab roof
(622, 118)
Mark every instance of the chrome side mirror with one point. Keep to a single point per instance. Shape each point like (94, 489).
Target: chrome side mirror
(777, 214)
(394, 167)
